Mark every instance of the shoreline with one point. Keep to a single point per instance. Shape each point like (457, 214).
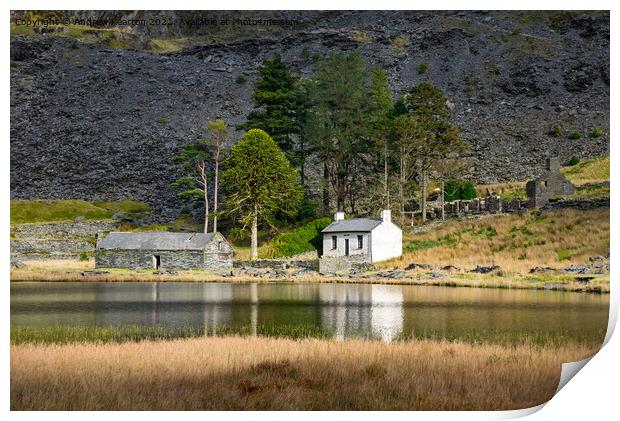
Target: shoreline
(557, 282)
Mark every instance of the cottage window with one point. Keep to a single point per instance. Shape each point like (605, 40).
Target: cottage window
(334, 242)
(219, 245)
(360, 241)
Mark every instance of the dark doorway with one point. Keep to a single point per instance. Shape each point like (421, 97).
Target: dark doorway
(346, 247)
(156, 262)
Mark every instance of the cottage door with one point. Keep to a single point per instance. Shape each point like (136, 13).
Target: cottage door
(346, 246)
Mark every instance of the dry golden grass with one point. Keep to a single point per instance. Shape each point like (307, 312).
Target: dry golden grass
(514, 242)
(263, 373)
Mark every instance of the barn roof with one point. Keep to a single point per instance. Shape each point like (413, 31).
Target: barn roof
(155, 241)
(353, 225)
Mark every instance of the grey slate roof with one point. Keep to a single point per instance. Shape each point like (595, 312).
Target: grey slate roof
(155, 241)
(353, 225)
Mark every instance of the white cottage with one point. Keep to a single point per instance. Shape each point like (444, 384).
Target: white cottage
(350, 242)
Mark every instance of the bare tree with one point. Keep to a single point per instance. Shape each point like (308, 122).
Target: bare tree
(218, 135)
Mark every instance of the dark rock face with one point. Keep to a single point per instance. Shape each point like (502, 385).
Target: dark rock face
(92, 122)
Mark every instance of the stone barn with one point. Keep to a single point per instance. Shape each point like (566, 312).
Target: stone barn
(351, 243)
(164, 250)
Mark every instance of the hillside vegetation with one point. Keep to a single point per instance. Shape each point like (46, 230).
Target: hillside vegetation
(496, 68)
(593, 170)
(515, 242)
(588, 176)
(43, 211)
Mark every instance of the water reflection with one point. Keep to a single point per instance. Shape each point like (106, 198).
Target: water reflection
(344, 310)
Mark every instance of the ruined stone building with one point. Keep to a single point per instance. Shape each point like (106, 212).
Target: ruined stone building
(347, 243)
(164, 250)
(549, 184)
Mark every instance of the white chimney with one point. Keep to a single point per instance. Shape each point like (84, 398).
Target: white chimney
(339, 216)
(386, 215)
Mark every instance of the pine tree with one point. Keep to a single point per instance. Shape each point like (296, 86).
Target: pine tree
(338, 122)
(429, 105)
(381, 104)
(277, 103)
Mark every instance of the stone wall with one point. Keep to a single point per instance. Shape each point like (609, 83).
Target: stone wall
(169, 259)
(62, 240)
(579, 204)
(479, 205)
(278, 264)
(340, 264)
(495, 204)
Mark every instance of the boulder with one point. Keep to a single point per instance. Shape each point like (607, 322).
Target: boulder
(414, 266)
(484, 269)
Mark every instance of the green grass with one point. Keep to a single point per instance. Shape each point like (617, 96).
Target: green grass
(418, 245)
(112, 37)
(563, 254)
(588, 171)
(183, 223)
(63, 334)
(42, 211)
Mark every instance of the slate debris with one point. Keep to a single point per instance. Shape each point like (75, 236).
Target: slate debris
(96, 123)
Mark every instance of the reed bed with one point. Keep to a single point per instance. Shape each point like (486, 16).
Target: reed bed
(66, 334)
(260, 373)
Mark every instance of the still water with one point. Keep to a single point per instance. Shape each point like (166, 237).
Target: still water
(344, 310)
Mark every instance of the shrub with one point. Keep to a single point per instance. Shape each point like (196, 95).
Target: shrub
(556, 131)
(596, 132)
(83, 256)
(300, 240)
(575, 135)
(240, 79)
(422, 68)
(573, 161)
(459, 190)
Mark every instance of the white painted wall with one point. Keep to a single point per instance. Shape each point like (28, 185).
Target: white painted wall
(386, 242)
(341, 236)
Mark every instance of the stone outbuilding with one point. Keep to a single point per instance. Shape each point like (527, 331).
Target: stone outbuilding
(348, 243)
(164, 250)
(550, 184)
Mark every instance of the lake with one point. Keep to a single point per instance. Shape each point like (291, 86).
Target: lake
(383, 312)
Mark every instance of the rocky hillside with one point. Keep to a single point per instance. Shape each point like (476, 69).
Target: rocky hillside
(101, 116)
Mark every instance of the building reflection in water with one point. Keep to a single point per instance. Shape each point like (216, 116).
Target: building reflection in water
(344, 310)
(362, 310)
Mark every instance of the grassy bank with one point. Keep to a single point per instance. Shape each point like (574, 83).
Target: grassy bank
(43, 211)
(266, 373)
(515, 242)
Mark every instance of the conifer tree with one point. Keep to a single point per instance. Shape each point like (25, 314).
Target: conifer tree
(260, 182)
